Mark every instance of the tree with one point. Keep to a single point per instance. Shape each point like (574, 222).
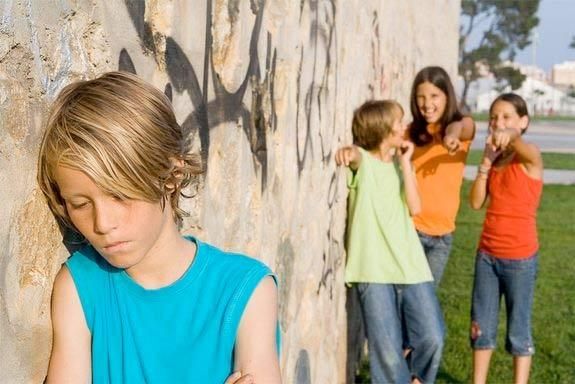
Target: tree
(572, 45)
(504, 28)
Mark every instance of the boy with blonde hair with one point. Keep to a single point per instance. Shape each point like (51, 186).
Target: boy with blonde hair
(140, 303)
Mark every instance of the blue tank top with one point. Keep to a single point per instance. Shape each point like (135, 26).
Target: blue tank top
(182, 333)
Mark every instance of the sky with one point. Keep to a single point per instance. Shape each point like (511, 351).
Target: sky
(554, 34)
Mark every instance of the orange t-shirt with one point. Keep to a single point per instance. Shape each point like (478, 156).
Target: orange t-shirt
(509, 229)
(439, 177)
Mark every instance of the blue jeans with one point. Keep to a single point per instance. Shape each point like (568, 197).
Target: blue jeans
(515, 280)
(386, 310)
(437, 250)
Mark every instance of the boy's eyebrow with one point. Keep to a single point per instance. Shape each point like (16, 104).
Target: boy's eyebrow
(71, 195)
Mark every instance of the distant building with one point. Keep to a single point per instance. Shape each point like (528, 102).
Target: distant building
(542, 98)
(531, 71)
(563, 74)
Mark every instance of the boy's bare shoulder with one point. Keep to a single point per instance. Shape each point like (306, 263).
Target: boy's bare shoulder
(63, 282)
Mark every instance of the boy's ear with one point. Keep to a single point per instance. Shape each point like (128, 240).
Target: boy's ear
(176, 175)
(177, 162)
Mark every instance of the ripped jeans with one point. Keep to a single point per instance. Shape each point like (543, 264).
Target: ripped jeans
(515, 281)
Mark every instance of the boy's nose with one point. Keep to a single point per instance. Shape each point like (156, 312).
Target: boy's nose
(104, 220)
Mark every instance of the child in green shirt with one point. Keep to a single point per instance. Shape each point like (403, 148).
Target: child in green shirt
(386, 262)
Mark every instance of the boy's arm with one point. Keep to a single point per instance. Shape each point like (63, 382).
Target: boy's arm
(349, 156)
(409, 180)
(458, 131)
(255, 350)
(70, 361)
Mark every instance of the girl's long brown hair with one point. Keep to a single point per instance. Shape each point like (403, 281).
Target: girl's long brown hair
(438, 77)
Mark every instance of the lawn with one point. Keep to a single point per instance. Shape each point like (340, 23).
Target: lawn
(550, 160)
(554, 308)
(485, 117)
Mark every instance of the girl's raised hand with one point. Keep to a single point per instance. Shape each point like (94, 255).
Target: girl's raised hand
(491, 151)
(347, 155)
(502, 137)
(452, 144)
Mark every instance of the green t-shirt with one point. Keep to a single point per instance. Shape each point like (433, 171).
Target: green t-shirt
(382, 244)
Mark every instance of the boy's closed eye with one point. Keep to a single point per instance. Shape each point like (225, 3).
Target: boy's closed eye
(77, 204)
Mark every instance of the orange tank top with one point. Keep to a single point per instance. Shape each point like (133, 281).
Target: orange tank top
(439, 177)
(510, 229)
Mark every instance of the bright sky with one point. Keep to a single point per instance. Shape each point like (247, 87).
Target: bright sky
(554, 34)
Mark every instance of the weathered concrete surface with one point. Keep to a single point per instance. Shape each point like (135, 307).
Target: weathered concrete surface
(265, 89)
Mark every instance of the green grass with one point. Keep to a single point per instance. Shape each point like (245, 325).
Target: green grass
(554, 307)
(484, 116)
(550, 160)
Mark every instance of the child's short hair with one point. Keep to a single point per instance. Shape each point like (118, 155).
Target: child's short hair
(373, 122)
(121, 132)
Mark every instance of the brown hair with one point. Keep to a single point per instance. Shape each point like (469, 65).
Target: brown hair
(123, 134)
(373, 121)
(516, 101)
(439, 78)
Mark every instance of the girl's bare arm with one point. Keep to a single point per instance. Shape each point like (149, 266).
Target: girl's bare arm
(462, 130)
(530, 156)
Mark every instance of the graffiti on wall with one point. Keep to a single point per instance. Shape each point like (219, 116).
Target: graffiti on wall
(225, 106)
(315, 126)
(316, 97)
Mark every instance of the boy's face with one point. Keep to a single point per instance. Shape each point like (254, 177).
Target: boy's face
(397, 134)
(123, 231)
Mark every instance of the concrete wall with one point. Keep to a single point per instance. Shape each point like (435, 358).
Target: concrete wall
(265, 89)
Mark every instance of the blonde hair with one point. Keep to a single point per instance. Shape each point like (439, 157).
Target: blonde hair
(373, 122)
(123, 134)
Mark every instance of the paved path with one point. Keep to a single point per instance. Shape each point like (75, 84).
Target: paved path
(550, 176)
(550, 136)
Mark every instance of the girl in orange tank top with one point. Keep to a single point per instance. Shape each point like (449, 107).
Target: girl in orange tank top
(510, 174)
(442, 136)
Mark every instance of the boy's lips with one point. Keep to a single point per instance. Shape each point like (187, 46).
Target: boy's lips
(115, 246)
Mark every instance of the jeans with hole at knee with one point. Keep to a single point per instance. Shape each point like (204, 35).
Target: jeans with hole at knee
(384, 307)
(515, 280)
(437, 250)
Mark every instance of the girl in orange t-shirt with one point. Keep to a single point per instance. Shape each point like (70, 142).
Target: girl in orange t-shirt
(442, 136)
(510, 174)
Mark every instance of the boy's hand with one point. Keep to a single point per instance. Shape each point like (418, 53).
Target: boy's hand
(347, 155)
(406, 150)
(452, 144)
(238, 378)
